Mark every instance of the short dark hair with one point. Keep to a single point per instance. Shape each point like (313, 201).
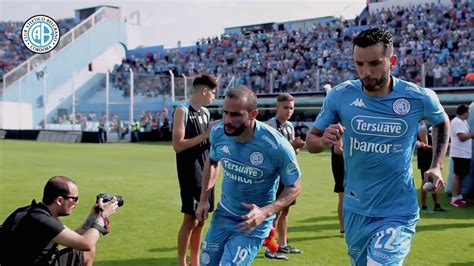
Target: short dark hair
(55, 187)
(204, 81)
(374, 36)
(285, 97)
(242, 92)
(462, 109)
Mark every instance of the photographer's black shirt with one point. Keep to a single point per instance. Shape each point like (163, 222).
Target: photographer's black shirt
(32, 238)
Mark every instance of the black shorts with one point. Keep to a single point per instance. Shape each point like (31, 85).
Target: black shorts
(190, 199)
(70, 257)
(280, 189)
(337, 165)
(462, 166)
(422, 171)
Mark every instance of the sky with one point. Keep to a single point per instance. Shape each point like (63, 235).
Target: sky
(165, 22)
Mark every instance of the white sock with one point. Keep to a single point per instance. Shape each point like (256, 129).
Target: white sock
(454, 198)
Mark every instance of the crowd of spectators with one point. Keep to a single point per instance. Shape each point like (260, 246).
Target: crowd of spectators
(437, 36)
(148, 120)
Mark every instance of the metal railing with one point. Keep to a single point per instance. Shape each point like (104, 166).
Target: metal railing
(38, 60)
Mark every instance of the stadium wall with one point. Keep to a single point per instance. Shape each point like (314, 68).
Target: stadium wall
(59, 68)
(15, 115)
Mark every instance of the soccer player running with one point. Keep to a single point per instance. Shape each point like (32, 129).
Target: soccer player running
(191, 128)
(379, 116)
(285, 107)
(254, 158)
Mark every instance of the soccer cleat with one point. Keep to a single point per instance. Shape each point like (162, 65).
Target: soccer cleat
(459, 203)
(270, 241)
(275, 255)
(425, 209)
(438, 208)
(289, 250)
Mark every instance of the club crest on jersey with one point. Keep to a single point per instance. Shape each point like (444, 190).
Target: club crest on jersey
(401, 106)
(256, 158)
(291, 169)
(205, 258)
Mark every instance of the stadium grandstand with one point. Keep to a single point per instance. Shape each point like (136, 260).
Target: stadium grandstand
(115, 81)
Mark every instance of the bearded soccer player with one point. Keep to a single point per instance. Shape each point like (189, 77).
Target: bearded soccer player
(379, 115)
(254, 158)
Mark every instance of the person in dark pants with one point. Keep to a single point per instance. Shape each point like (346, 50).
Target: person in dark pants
(101, 133)
(285, 107)
(191, 128)
(424, 152)
(337, 166)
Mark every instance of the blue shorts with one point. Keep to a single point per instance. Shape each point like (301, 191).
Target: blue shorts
(225, 245)
(378, 240)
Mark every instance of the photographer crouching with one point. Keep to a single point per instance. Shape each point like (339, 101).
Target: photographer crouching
(31, 234)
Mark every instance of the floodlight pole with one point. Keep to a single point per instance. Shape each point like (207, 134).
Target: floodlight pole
(185, 87)
(73, 99)
(318, 78)
(45, 101)
(132, 85)
(19, 101)
(423, 75)
(172, 85)
(106, 100)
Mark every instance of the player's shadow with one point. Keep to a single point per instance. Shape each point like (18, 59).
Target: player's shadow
(163, 249)
(318, 219)
(140, 262)
(313, 227)
(462, 264)
(442, 227)
(452, 212)
(311, 238)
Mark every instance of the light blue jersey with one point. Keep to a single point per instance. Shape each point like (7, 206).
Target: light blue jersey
(379, 139)
(252, 169)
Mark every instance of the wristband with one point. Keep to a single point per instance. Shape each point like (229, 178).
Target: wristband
(88, 223)
(101, 225)
(100, 228)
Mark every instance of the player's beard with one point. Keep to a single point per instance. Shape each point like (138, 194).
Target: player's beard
(376, 86)
(237, 132)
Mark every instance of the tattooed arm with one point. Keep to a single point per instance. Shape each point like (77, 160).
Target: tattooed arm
(440, 135)
(257, 215)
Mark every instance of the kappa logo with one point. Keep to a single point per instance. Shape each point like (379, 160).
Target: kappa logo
(358, 102)
(225, 149)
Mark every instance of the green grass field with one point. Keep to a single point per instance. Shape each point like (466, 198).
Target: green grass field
(144, 230)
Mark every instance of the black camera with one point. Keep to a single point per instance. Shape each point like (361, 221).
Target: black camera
(106, 197)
